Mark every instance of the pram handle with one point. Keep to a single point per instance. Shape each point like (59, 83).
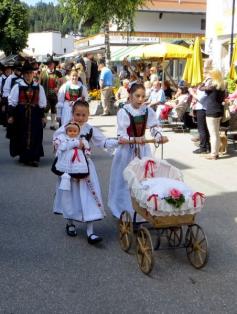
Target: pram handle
(146, 141)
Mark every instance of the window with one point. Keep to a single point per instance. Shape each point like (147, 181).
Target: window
(203, 24)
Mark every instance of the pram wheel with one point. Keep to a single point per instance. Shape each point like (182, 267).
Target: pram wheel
(174, 236)
(196, 246)
(144, 250)
(125, 231)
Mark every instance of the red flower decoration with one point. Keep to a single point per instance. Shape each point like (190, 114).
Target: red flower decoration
(175, 194)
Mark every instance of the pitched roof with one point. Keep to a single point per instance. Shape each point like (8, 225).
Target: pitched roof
(184, 6)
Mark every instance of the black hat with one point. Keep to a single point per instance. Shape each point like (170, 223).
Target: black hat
(1, 66)
(50, 60)
(68, 66)
(27, 67)
(17, 66)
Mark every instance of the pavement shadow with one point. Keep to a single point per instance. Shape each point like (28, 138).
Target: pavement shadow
(178, 164)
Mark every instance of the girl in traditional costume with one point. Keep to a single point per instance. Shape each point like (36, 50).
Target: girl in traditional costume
(133, 120)
(83, 202)
(67, 95)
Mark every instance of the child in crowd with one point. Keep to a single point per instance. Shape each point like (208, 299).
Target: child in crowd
(83, 202)
(68, 93)
(132, 120)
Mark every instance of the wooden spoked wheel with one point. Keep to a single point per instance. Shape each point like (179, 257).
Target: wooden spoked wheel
(174, 236)
(125, 231)
(196, 246)
(144, 250)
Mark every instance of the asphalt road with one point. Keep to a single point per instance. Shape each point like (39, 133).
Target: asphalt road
(42, 270)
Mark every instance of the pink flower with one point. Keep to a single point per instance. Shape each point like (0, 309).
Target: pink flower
(175, 194)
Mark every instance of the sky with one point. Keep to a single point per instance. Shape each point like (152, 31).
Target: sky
(33, 2)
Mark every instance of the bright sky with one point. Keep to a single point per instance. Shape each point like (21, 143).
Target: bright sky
(33, 2)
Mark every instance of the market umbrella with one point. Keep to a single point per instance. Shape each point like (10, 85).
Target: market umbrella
(233, 70)
(187, 75)
(163, 50)
(197, 64)
(121, 53)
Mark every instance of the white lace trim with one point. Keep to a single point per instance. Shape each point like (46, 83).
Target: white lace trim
(134, 173)
(135, 112)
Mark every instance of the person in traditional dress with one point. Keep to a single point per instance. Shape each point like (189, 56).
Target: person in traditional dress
(68, 93)
(83, 203)
(27, 102)
(132, 121)
(12, 79)
(6, 72)
(51, 81)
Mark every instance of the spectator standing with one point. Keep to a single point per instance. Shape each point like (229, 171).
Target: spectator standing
(153, 75)
(94, 78)
(215, 91)
(87, 59)
(106, 86)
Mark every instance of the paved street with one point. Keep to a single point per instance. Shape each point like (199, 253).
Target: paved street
(42, 270)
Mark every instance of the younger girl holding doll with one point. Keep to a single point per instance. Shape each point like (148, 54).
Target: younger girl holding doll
(83, 203)
(132, 120)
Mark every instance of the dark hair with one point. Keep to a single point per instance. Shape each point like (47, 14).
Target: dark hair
(135, 87)
(101, 61)
(80, 103)
(184, 89)
(72, 123)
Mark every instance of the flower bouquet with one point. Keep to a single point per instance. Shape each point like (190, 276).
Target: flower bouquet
(175, 198)
(95, 94)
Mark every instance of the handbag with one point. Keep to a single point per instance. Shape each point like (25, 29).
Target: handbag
(226, 114)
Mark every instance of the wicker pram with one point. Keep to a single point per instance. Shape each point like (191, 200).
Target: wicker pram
(170, 222)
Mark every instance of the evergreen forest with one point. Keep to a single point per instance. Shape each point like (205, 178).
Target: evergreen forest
(49, 17)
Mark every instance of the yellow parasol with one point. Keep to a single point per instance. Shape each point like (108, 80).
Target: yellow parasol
(197, 64)
(233, 71)
(187, 75)
(163, 50)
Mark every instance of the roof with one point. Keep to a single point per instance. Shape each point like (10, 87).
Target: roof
(182, 6)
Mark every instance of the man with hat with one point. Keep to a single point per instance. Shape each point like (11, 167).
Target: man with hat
(12, 79)
(50, 79)
(27, 103)
(6, 72)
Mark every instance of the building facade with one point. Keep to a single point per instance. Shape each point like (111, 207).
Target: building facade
(157, 21)
(43, 43)
(218, 31)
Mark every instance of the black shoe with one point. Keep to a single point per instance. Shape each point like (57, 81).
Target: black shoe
(34, 164)
(71, 230)
(95, 240)
(200, 151)
(53, 128)
(105, 114)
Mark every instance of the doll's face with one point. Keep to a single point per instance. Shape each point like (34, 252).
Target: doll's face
(81, 114)
(72, 131)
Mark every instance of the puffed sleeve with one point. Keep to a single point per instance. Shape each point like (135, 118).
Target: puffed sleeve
(153, 124)
(42, 97)
(84, 92)
(123, 123)
(99, 140)
(7, 87)
(13, 98)
(61, 99)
